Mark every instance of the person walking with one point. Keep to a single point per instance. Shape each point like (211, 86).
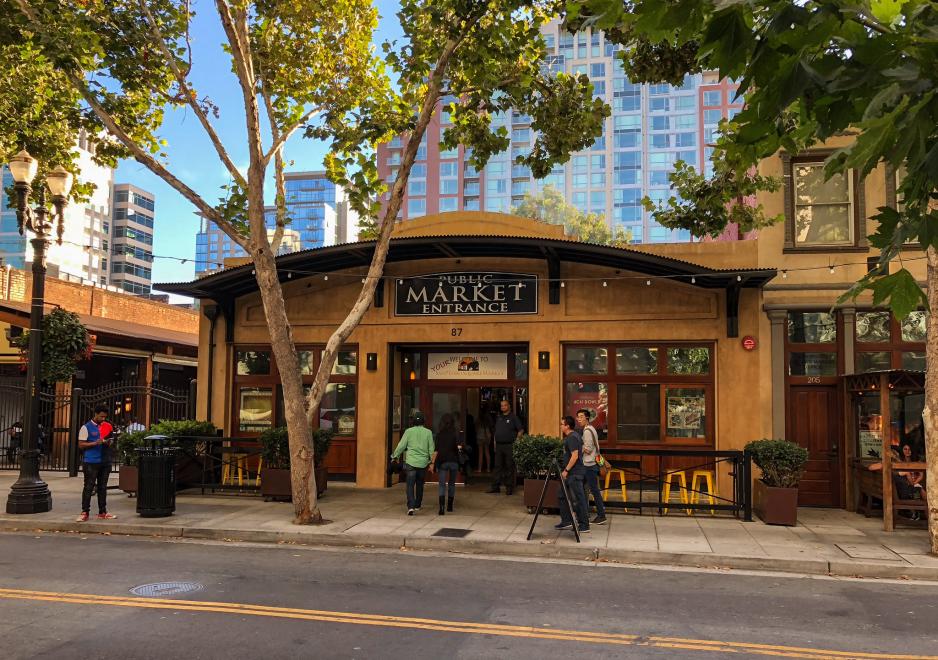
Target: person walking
(590, 453)
(446, 461)
(573, 474)
(96, 464)
(508, 428)
(417, 442)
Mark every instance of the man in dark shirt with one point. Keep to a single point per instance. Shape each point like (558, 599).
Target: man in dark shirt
(508, 428)
(574, 474)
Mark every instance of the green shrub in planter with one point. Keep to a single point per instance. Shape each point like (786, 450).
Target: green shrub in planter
(127, 445)
(534, 454)
(275, 447)
(782, 462)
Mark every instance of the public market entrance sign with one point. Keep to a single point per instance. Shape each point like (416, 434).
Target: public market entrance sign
(466, 294)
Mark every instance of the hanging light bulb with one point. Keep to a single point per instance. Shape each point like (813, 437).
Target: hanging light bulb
(400, 281)
(563, 284)
(604, 283)
(693, 280)
(289, 276)
(647, 282)
(325, 278)
(832, 270)
(739, 278)
(784, 274)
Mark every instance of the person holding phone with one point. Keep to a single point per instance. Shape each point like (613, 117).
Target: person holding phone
(94, 440)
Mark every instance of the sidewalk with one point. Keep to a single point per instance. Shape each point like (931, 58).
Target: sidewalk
(825, 542)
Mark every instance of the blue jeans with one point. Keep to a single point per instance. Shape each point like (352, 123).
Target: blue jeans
(415, 481)
(592, 485)
(575, 483)
(448, 468)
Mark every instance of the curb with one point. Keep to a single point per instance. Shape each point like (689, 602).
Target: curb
(581, 552)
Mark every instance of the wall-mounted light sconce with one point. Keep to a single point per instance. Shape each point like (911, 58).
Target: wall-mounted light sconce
(543, 359)
(371, 362)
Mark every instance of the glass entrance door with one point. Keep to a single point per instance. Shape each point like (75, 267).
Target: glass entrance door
(451, 400)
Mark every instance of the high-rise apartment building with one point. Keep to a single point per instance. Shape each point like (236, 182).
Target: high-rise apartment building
(319, 215)
(651, 127)
(131, 241)
(83, 254)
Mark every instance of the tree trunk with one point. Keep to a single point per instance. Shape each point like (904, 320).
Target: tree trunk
(930, 414)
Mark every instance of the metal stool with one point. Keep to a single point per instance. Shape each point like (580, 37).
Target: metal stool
(682, 488)
(698, 477)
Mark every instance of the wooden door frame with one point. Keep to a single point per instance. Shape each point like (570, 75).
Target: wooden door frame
(837, 471)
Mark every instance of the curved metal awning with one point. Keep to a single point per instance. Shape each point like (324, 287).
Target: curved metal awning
(238, 281)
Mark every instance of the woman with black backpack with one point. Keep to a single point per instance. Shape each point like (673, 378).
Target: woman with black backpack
(448, 446)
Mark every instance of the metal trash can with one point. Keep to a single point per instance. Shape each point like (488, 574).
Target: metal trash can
(156, 487)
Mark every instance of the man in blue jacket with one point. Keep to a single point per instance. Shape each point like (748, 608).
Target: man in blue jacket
(96, 464)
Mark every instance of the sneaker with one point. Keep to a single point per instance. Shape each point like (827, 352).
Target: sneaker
(410, 512)
(83, 517)
(564, 526)
(106, 516)
(598, 520)
(583, 530)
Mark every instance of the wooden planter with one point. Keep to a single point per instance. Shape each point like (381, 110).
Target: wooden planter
(275, 483)
(127, 477)
(532, 493)
(776, 506)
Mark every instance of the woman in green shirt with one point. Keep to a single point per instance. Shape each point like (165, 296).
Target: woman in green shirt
(419, 455)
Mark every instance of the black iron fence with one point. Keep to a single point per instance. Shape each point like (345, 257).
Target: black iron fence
(677, 480)
(62, 411)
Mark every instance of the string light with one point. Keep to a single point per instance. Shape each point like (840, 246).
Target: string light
(832, 270)
(562, 284)
(647, 282)
(739, 278)
(784, 274)
(693, 280)
(604, 283)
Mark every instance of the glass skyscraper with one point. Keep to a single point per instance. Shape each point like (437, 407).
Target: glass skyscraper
(319, 215)
(651, 127)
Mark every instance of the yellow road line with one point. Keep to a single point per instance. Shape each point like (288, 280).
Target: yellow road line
(618, 639)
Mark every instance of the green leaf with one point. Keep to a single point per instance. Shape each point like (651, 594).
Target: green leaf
(900, 291)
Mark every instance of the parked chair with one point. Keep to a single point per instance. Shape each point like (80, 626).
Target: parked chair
(620, 475)
(698, 479)
(233, 467)
(669, 480)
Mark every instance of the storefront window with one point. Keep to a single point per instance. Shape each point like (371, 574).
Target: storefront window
(687, 361)
(869, 426)
(813, 364)
(521, 366)
(873, 361)
(255, 413)
(913, 360)
(587, 360)
(873, 327)
(638, 413)
(253, 363)
(337, 410)
(306, 361)
(812, 328)
(346, 364)
(914, 326)
(593, 397)
(686, 412)
(637, 360)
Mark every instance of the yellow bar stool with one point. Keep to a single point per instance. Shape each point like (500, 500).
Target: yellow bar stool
(620, 475)
(669, 480)
(260, 464)
(236, 464)
(698, 479)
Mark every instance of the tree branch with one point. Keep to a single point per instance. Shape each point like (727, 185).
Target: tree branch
(189, 94)
(281, 194)
(139, 153)
(285, 135)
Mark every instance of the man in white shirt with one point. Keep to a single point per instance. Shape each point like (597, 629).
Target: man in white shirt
(590, 452)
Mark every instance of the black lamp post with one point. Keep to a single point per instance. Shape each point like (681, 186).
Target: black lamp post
(30, 494)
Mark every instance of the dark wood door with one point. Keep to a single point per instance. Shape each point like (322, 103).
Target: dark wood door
(813, 422)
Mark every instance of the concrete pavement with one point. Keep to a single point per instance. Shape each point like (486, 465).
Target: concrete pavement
(825, 542)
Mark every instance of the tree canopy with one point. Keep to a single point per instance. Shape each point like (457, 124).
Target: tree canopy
(550, 206)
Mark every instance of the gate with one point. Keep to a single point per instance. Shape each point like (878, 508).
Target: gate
(54, 429)
(61, 414)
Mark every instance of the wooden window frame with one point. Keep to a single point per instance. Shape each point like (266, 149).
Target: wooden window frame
(272, 380)
(662, 378)
(835, 347)
(860, 242)
(895, 346)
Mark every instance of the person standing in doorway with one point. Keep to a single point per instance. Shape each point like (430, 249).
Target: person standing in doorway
(590, 452)
(446, 460)
(508, 428)
(573, 474)
(96, 464)
(417, 442)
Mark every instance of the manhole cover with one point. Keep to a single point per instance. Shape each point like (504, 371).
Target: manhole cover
(451, 532)
(165, 588)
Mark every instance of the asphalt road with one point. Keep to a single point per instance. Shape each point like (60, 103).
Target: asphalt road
(67, 596)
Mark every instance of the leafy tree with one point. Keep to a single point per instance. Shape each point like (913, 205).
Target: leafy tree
(303, 66)
(551, 207)
(811, 70)
(65, 342)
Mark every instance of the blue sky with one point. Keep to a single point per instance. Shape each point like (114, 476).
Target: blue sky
(193, 159)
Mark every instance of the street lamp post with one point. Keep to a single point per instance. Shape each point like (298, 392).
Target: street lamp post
(30, 494)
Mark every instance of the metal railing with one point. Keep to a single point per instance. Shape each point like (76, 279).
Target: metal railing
(630, 461)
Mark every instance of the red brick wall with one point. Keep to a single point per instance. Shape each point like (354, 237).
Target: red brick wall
(84, 299)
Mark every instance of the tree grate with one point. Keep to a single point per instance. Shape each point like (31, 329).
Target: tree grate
(451, 532)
